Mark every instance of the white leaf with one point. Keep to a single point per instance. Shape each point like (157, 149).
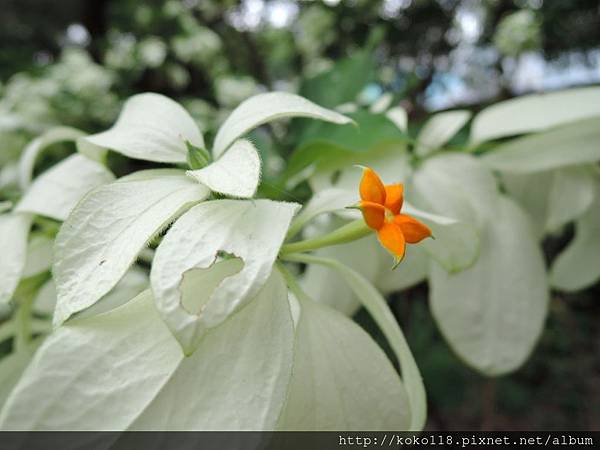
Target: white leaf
(108, 228)
(455, 186)
(14, 229)
(493, 313)
(133, 283)
(250, 230)
(150, 127)
(535, 112)
(328, 200)
(236, 173)
(568, 145)
(552, 198)
(44, 301)
(413, 270)
(39, 256)
(127, 360)
(263, 108)
(56, 192)
(439, 130)
(455, 244)
(92, 365)
(237, 379)
(35, 147)
(341, 380)
(578, 266)
(571, 195)
(398, 117)
(11, 369)
(378, 308)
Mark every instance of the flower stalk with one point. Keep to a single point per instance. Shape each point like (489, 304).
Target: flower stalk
(350, 232)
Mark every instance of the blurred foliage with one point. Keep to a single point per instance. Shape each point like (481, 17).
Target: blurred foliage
(72, 63)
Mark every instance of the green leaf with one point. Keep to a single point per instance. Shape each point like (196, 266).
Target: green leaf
(535, 112)
(578, 266)
(567, 145)
(493, 313)
(321, 143)
(151, 127)
(251, 231)
(197, 157)
(263, 108)
(55, 192)
(341, 379)
(236, 173)
(342, 83)
(14, 229)
(439, 129)
(119, 219)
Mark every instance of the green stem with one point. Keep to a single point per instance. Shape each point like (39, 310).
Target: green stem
(348, 233)
(23, 324)
(290, 281)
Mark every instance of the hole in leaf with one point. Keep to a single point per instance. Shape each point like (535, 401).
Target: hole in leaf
(198, 285)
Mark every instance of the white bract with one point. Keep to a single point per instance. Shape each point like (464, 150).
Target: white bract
(120, 218)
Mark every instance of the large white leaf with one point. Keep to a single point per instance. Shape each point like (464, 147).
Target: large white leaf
(341, 379)
(492, 314)
(263, 108)
(108, 228)
(151, 127)
(14, 229)
(577, 143)
(535, 113)
(578, 266)
(439, 130)
(237, 379)
(126, 360)
(95, 366)
(35, 147)
(133, 282)
(56, 192)
(459, 187)
(552, 198)
(236, 173)
(11, 369)
(250, 230)
(378, 308)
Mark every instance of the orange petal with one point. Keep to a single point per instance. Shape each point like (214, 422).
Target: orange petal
(371, 188)
(373, 213)
(394, 196)
(413, 230)
(391, 237)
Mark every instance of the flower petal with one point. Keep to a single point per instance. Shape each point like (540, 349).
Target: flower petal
(373, 213)
(413, 230)
(394, 196)
(371, 188)
(391, 237)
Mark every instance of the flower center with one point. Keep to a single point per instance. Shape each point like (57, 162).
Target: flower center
(389, 215)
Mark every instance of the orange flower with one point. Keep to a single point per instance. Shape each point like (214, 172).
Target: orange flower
(380, 206)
